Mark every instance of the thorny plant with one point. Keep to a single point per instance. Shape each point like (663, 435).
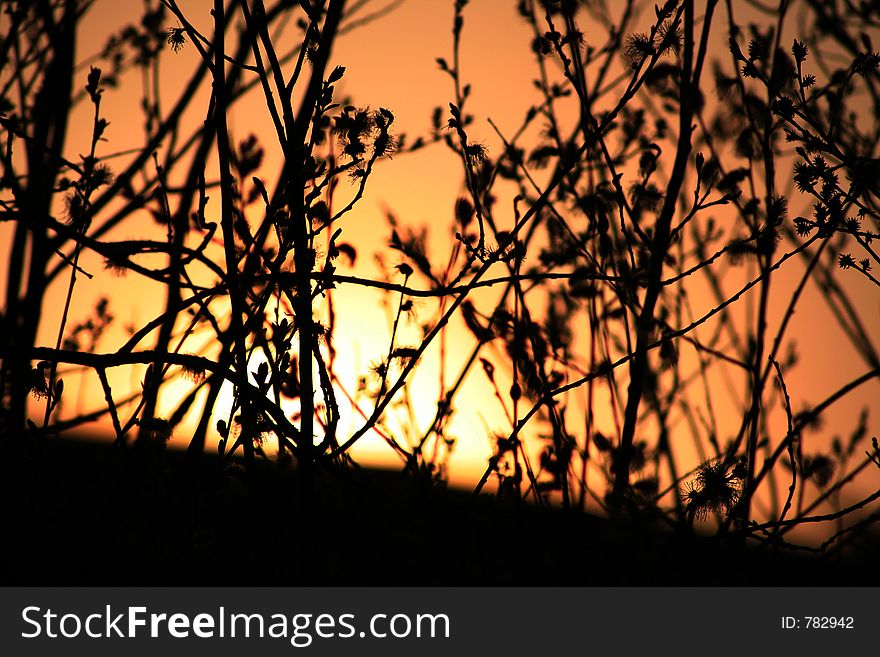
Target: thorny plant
(649, 167)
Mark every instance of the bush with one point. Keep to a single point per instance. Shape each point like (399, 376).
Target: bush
(612, 278)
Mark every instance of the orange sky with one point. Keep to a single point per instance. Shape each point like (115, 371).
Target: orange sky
(391, 63)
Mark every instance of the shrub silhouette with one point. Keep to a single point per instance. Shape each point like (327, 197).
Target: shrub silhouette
(658, 174)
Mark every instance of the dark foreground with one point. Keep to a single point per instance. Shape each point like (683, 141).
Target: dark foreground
(87, 514)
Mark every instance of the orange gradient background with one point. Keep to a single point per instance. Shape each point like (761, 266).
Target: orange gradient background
(390, 62)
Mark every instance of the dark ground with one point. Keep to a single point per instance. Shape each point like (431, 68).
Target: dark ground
(102, 516)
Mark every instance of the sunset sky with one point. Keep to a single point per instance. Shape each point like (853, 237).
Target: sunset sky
(390, 62)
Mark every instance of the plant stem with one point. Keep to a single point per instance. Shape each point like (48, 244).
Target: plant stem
(645, 322)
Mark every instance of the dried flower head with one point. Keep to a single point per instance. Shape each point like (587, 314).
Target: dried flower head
(714, 489)
(637, 48)
(37, 383)
(176, 38)
(194, 373)
(476, 153)
(405, 355)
